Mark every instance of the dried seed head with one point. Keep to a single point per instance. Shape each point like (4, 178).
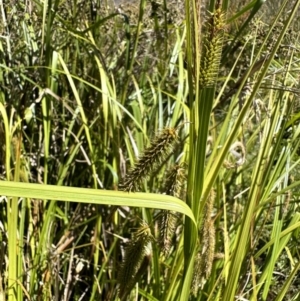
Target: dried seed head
(158, 150)
(167, 220)
(175, 180)
(205, 257)
(136, 251)
(198, 268)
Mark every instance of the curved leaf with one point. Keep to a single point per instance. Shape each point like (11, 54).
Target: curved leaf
(94, 196)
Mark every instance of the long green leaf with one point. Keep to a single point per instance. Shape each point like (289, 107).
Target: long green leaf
(94, 196)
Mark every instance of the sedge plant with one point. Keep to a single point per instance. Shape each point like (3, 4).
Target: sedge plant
(147, 153)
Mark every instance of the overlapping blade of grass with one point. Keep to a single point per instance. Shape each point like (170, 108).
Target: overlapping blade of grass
(95, 196)
(258, 180)
(201, 70)
(280, 175)
(132, 54)
(275, 251)
(204, 46)
(213, 171)
(284, 235)
(254, 7)
(7, 139)
(193, 66)
(152, 105)
(83, 116)
(55, 83)
(282, 295)
(12, 151)
(112, 198)
(278, 243)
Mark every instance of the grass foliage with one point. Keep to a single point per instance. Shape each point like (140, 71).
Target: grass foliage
(149, 150)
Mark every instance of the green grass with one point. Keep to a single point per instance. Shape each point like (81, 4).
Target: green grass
(194, 111)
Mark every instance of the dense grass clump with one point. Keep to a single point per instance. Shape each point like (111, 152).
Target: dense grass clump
(149, 150)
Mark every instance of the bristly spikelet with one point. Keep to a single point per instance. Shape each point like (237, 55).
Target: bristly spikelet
(198, 267)
(136, 252)
(174, 180)
(159, 148)
(167, 220)
(205, 257)
(212, 47)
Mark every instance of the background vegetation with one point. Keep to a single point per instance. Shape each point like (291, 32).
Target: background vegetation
(149, 150)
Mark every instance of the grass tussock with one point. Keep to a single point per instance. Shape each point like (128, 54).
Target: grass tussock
(84, 87)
